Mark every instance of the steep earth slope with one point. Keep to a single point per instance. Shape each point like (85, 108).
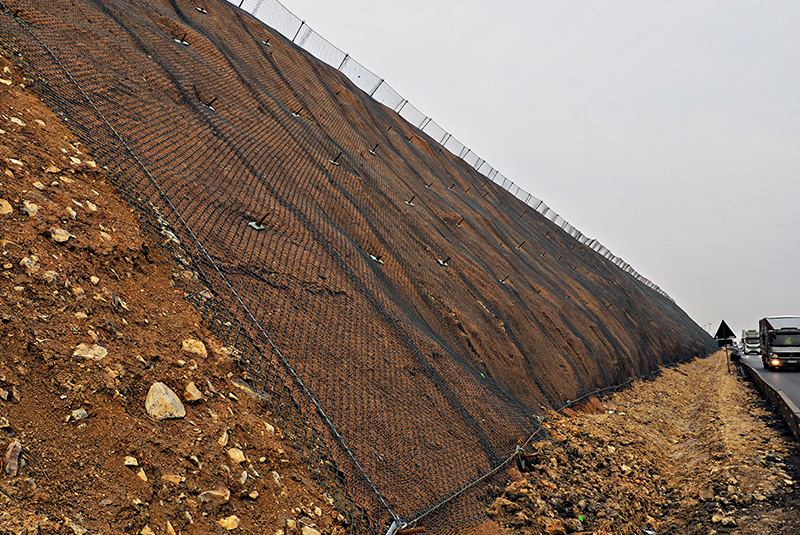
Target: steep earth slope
(89, 321)
(413, 316)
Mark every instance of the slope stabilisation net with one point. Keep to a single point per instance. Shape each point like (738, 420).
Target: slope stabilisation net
(406, 320)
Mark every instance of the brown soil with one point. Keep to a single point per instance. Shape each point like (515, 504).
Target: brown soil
(105, 287)
(696, 451)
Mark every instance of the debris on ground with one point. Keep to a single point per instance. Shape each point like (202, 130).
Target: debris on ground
(696, 451)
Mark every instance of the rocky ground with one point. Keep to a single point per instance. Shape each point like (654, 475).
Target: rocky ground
(697, 451)
(90, 321)
(93, 325)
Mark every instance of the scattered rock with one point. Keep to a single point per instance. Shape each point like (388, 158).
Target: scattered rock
(30, 265)
(94, 352)
(52, 169)
(80, 414)
(12, 457)
(20, 122)
(192, 393)
(29, 208)
(729, 522)
(162, 403)
(172, 478)
(77, 529)
(141, 475)
(231, 523)
(131, 462)
(50, 277)
(215, 497)
(38, 185)
(5, 207)
(707, 493)
(195, 347)
(307, 530)
(236, 455)
(60, 235)
(147, 530)
(4, 423)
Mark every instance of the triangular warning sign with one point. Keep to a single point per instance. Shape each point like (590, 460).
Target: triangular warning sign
(724, 331)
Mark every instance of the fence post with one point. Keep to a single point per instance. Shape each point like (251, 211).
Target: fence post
(302, 23)
(376, 88)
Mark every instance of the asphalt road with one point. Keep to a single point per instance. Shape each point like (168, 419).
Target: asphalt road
(784, 381)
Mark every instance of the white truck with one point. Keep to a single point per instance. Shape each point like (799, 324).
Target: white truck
(779, 341)
(750, 343)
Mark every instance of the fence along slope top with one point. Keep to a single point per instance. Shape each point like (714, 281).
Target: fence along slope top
(278, 17)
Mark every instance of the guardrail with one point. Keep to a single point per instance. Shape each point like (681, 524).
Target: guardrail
(788, 410)
(281, 19)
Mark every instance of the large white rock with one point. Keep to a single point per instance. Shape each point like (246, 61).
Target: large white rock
(162, 403)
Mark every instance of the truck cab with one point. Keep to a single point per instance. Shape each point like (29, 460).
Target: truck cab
(750, 342)
(779, 341)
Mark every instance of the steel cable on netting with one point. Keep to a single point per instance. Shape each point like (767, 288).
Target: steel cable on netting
(209, 261)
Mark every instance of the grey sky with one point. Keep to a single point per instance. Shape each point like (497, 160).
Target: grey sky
(669, 131)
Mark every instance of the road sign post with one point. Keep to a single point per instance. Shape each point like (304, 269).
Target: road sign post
(724, 338)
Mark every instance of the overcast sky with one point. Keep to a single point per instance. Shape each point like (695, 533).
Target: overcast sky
(668, 130)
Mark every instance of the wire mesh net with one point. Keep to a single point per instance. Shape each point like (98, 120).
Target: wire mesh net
(404, 316)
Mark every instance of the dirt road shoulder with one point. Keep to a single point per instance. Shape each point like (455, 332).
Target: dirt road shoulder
(696, 451)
